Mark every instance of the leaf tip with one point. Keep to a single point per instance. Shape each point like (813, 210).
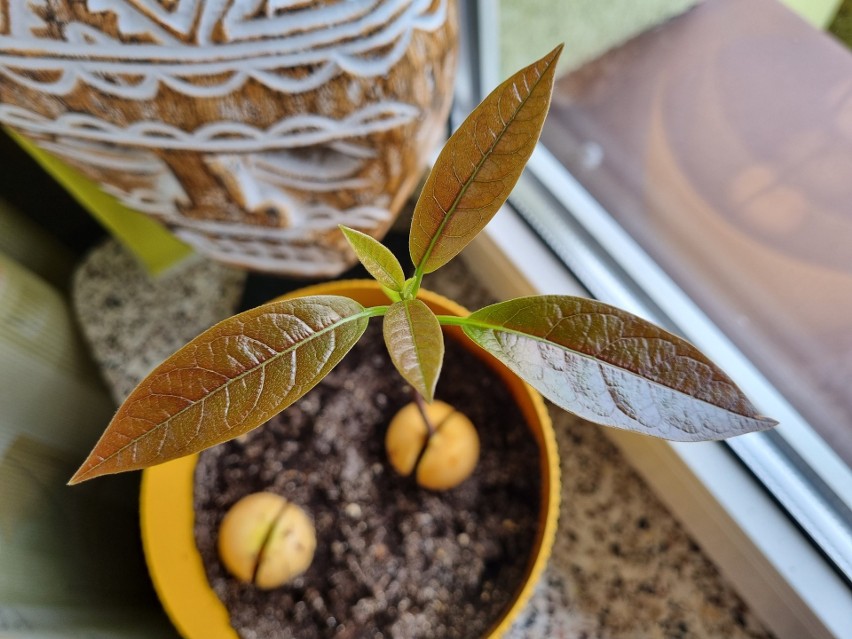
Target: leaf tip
(80, 476)
(557, 51)
(92, 467)
(347, 232)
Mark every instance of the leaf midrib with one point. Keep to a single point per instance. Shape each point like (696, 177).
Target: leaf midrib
(492, 327)
(361, 314)
(417, 350)
(452, 210)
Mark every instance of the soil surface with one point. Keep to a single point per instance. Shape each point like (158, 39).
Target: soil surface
(392, 559)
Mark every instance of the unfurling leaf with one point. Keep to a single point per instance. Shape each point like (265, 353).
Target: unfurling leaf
(415, 343)
(376, 258)
(480, 164)
(227, 381)
(613, 368)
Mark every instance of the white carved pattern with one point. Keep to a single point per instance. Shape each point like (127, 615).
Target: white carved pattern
(264, 180)
(160, 191)
(256, 50)
(132, 21)
(144, 17)
(319, 219)
(364, 38)
(239, 26)
(305, 250)
(308, 260)
(264, 248)
(218, 137)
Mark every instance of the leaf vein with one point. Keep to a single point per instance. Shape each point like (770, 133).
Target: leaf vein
(654, 383)
(289, 350)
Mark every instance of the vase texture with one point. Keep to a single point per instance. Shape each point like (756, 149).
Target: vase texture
(250, 128)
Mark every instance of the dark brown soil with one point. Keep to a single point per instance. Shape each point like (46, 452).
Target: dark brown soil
(392, 559)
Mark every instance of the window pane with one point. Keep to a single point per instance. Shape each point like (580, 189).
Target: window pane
(727, 153)
(721, 141)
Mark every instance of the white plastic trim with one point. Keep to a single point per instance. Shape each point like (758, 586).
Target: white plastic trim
(760, 551)
(696, 326)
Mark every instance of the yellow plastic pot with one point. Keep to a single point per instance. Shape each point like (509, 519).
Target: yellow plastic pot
(168, 515)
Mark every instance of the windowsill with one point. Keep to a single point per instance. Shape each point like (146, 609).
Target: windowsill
(743, 530)
(719, 145)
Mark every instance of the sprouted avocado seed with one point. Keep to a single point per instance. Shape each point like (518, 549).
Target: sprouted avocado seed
(435, 442)
(266, 540)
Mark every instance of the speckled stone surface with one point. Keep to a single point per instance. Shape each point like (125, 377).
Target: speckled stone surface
(622, 567)
(132, 322)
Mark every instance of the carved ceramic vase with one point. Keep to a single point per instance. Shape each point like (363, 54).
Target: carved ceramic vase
(251, 128)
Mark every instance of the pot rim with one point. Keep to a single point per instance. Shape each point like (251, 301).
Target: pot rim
(168, 517)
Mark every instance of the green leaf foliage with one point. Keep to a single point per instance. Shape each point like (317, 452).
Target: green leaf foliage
(227, 381)
(416, 344)
(376, 258)
(613, 368)
(480, 165)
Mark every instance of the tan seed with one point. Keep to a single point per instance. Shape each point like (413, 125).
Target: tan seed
(444, 458)
(266, 540)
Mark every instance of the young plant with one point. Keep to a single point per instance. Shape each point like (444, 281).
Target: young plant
(589, 358)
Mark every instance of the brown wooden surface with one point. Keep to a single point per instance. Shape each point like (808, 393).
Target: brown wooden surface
(726, 140)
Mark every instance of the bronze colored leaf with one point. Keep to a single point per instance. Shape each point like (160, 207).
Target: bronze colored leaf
(613, 368)
(376, 258)
(480, 165)
(416, 344)
(227, 381)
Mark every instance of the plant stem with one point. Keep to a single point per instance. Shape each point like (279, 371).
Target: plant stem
(421, 406)
(453, 320)
(375, 311)
(412, 286)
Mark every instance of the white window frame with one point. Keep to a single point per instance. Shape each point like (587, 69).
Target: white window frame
(773, 564)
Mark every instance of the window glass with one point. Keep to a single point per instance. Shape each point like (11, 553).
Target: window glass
(719, 136)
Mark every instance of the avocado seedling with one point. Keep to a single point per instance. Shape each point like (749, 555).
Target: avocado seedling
(589, 358)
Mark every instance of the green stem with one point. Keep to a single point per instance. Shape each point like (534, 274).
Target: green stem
(421, 406)
(374, 311)
(418, 278)
(412, 286)
(454, 320)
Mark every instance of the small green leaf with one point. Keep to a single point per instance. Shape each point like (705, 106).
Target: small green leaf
(393, 296)
(613, 368)
(410, 288)
(376, 258)
(480, 165)
(416, 344)
(227, 381)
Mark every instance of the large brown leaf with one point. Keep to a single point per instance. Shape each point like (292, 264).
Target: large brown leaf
(227, 381)
(614, 368)
(480, 164)
(416, 344)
